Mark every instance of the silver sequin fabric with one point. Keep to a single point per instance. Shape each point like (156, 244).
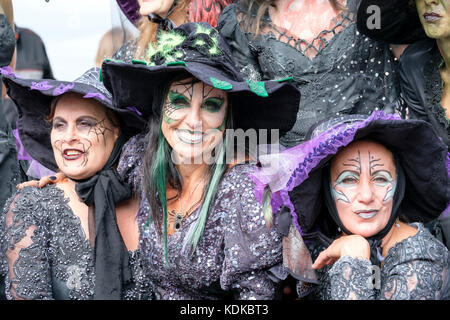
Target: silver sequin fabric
(53, 257)
(233, 256)
(414, 269)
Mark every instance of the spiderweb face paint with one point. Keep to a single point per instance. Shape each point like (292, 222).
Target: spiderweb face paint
(363, 184)
(82, 137)
(193, 119)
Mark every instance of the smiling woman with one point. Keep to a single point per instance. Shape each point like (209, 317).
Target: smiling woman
(190, 196)
(194, 118)
(81, 135)
(73, 128)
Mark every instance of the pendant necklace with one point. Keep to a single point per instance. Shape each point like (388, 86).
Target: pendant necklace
(178, 218)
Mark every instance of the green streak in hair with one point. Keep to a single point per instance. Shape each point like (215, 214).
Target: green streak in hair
(199, 227)
(159, 171)
(267, 207)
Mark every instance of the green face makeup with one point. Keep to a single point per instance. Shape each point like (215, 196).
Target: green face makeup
(213, 104)
(435, 17)
(177, 101)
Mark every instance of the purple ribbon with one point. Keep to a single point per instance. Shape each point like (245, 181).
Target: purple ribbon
(134, 110)
(43, 85)
(94, 95)
(22, 154)
(8, 71)
(63, 88)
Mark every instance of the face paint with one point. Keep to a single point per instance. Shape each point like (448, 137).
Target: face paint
(363, 186)
(81, 136)
(193, 118)
(435, 17)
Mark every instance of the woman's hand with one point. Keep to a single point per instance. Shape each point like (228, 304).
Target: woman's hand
(58, 177)
(354, 246)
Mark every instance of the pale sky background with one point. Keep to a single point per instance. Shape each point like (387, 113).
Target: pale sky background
(70, 30)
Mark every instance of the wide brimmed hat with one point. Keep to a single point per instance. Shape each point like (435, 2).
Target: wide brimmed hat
(399, 21)
(33, 99)
(199, 50)
(296, 181)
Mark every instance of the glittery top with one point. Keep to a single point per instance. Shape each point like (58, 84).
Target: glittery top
(56, 261)
(414, 269)
(126, 52)
(234, 254)
(348, 74)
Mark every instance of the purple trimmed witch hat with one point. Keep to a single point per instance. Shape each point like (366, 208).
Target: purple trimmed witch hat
(33, 99)
(295, 175)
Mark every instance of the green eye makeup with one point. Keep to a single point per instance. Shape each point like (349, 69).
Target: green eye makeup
(213, 104)
(178, 100)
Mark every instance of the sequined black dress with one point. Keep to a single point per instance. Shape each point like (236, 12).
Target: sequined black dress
(49, 254)
(349, 73)
(414, 269)
(235, 253)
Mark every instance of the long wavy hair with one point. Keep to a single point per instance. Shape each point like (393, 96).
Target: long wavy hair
(160, 172)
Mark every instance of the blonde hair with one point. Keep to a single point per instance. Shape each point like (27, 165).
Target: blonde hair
(148, 29)
(110, 42)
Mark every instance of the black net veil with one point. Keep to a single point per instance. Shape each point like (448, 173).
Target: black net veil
(121, 34)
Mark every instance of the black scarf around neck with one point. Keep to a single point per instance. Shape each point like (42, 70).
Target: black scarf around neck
(103, 191)
(375, 240)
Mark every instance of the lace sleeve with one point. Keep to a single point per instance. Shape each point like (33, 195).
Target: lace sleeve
(351, 279)
(131, 163)
(26, 264)
(415, 269)
(251, 248)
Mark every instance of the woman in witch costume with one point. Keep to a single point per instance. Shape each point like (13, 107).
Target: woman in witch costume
(337, 69)
(203, 231)
(62, 241)
(359, 191)
(423, 66)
